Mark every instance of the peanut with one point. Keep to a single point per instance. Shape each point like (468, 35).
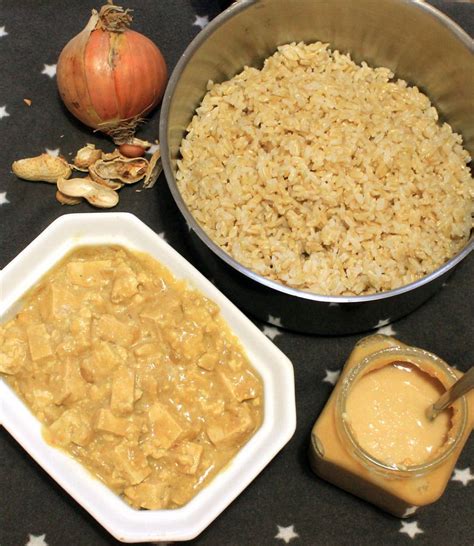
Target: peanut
(66, 200)
(131, 150)
(154, 170)
(94, 193)
(112, 184)
(42, 168)
(125, 170)
(86, 156)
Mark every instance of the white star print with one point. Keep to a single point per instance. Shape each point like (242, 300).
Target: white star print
(464, 476)
(286, 533)
(410, 511)
(333, 304)
(411, 529)
(382, 323)
(332, 376)
(276, 321)
(54, 152)
(162, 235)
(34, 540)
(3, 112)
(3, 32)
(3, 198)
(201, 21)
(271, 332)
(152, 149)
(386, 330)
(49, 70)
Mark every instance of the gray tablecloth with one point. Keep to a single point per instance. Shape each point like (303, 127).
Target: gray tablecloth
(286, 503)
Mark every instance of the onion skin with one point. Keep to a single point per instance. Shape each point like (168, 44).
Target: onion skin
(110, 80)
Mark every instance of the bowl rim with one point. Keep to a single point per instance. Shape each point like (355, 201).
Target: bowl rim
(186, 57)
(121, 520)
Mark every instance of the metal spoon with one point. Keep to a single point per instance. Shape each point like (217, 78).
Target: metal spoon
(463, 385)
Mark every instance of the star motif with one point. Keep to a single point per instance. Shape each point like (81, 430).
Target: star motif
(386, 330)
(286, 533)
(464, 476)
(3, 112)
(54, 152)
(34, 540)
(382, 323)
(332, 376)
(333, 304)
(201, 22)
(271, 332)
(276, 321)
(411, 529)
(162, 235)
(3, 198)
(49, 70)
(410, 511)
(3, 32)
(152, 149)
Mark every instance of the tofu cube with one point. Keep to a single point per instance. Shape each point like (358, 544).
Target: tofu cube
(123, 391)
(39, 341)
(103, 360)
(188, 457)
(130, 462)
(242, 385)
(208, 361)
(72, 427)
(192, 345)
(153, 496)
(108, 422)
(165, 429)
(230, 429)
(125, 284)
(168, 308)
(80, 328)
(71, 383)
(12, 356)
(108, 328)
(152, 348)
(89, 274)
(58, 303)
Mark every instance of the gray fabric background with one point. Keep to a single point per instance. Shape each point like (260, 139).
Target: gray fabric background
(286, 493)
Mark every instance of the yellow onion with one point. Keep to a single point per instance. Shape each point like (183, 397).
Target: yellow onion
(109, 76)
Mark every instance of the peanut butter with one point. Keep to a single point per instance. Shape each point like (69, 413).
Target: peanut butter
(386, 410)
(372, 438)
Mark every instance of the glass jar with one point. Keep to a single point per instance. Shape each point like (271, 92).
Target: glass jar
(337, 456)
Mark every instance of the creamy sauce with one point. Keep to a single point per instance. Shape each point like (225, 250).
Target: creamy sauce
(386, 412)
(133, 373)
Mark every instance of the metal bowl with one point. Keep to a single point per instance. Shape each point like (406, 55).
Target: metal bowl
(413, 39)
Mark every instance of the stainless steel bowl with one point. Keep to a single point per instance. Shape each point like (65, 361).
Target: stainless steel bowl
(420, 44)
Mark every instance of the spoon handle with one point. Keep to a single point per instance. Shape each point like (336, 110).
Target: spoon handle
(459, 388)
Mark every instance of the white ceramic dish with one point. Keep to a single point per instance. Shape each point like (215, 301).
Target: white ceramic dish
(122, 521)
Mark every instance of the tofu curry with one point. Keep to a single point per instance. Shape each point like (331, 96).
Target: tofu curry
(133, 373)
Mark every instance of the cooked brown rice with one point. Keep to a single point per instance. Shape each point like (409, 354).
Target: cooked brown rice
(326, 175)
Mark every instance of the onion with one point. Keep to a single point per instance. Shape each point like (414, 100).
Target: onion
(109, 76)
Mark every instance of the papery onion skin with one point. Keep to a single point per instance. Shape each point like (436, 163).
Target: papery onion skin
(111, 80)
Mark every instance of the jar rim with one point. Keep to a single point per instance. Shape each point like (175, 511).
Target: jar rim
(415, 354)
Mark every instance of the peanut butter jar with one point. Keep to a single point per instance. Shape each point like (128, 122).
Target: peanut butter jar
(373, 438)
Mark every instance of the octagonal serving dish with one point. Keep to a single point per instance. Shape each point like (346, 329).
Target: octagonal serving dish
(122, 521)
